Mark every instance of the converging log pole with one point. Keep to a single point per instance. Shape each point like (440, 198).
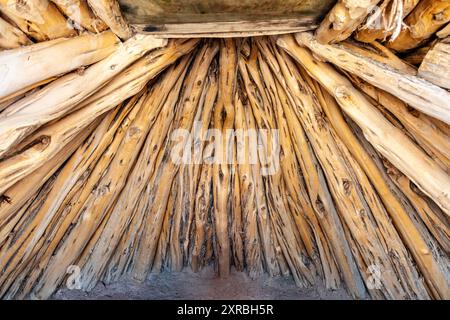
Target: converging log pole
(109, 12)
(261, 141)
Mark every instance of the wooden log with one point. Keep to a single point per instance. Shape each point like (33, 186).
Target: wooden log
(343, 19)
(249, 208)
(17, 254)
(290, 240)
(39, 19)
(124, 86)
(379, 53)
(299, 202)
(203, 209)
(109, 182)
(228, 29)
(386, 21)
(431, 179)
(420, 126)
(93, 157)
(351, 101)
(434, 67)
(133, 86)
(109, 12)
(223, 121)
(60, 97)
(410, 235)
(19, 194)
(49, 59)
(80, 13)
(416, 56)
(321, 199)
(384, 166)
(418, 93)
(11, 37)
(427, 18)
(445, 32)
(202, 123)
(167, 170)
(432, 217)
(163, 100)
(269, 244)
(352, 179)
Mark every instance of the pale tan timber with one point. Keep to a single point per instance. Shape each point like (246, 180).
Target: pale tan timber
(320, 196)
(109, 12)
(425, 20)
(19, 193)
(299, 202)
(33, 152)
(223, 120)
(445, 32)
(416, 56)
(375, 127)
(436, 65)
(379, 53)
(431, 179)
(17, 251)
(227, 29)
(11, 37)
(419, 125)
(24, 67)
(39, 19)
(418, 93)
(203, 153)
(161, 258)
(202, 121)
(62, 95)
(252, 245)
(413, 239)
(125, 250)
(344, 182)
(56, 214)
(79, 12)
(391, 16)
(290, 239)
(343, 19)
(166, 172)
(271, 263)
(416, 217)
(159, 119)
(99, 200)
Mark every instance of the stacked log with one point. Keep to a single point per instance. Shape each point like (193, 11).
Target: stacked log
(311, 156)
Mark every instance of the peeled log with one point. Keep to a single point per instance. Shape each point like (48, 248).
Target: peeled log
(34, 153)
(11, 37)
(109, 12)
(80, 13)
(445, 32)
(427, 18)
(436, 65)
(46, 60)
(343, 19)
(61, 96)
(378, 31)
(40, 19)
(387, 139)
(418, 93)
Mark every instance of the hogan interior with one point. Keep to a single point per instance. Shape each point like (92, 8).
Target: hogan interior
(91, 92)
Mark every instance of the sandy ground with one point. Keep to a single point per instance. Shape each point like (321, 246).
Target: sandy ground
(203, 285)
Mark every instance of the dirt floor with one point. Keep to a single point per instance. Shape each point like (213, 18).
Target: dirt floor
(203, 285)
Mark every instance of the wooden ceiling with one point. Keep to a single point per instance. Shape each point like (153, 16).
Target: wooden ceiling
(251, 16)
